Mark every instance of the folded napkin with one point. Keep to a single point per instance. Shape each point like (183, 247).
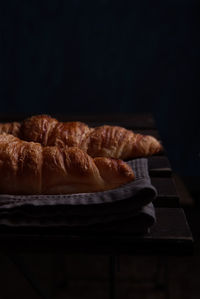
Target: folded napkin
(100, 210)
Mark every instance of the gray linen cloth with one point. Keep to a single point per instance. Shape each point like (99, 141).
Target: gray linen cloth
(109, 210)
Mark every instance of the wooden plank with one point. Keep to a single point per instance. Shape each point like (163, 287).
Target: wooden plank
(186, 199)
(159, 166)
(142, 121)
(172, 225)
(170, 235)
(167, 194)
(177, 227)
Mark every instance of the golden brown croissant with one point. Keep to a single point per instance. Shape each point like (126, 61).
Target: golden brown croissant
(104, 141)
(30, 168)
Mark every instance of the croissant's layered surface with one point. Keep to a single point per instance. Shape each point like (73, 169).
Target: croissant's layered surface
(30, 168)
(104, 141)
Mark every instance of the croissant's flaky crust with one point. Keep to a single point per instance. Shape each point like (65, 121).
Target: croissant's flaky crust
(13, 128)
(104, 141)
(30, 168)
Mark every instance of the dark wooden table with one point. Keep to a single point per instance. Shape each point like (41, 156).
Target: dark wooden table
(170, 235)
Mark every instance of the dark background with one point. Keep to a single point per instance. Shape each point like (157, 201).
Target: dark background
(133, 56)
(76, 57)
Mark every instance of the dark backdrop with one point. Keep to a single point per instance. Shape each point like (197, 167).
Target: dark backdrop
(106, 56)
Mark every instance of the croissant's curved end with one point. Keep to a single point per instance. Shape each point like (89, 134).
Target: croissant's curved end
(154, 145)
(120, 172)
(145, 145)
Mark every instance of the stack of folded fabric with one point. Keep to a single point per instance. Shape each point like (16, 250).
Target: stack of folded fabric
(126, 209)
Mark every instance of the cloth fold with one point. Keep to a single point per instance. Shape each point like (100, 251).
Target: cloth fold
(108, 210)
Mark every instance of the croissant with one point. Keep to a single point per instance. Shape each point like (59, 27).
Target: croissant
(30, 168)
(104, 141)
